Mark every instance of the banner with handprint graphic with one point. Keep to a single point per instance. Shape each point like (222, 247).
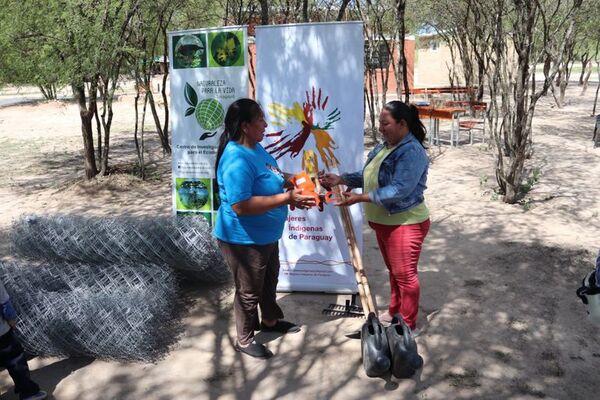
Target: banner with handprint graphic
(208, 70)
(309, 80)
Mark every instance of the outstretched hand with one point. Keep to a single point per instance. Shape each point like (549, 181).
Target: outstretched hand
(349, 198)
(329, 180)
(298, 200)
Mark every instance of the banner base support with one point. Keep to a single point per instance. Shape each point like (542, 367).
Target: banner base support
(350, 309)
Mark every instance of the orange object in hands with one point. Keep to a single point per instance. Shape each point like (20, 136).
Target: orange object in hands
(304, 182)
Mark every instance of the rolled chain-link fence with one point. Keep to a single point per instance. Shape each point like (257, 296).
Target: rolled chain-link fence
(183, 243)
(125, 311)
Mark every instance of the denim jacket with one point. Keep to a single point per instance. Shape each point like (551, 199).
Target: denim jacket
(402, 176)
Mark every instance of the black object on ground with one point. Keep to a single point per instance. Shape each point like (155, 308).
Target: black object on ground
(350, 309)
(405, 357)
(374, 347)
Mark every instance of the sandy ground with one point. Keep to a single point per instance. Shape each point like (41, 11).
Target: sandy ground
(499, 314)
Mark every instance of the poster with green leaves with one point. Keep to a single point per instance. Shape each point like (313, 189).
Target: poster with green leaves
(226, 49)
(209, 71)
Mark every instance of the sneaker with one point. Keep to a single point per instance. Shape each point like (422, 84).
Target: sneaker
(385, 317)
(280, 326)
(255, 350)
(41, 395)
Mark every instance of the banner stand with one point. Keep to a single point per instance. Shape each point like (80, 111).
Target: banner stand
(349, 309)
(310, 82)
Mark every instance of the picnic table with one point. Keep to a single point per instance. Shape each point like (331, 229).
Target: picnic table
(435, 114)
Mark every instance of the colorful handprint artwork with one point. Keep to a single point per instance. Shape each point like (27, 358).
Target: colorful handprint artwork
(313, 118)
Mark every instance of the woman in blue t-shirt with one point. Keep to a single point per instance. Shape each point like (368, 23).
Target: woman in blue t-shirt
(250, 222)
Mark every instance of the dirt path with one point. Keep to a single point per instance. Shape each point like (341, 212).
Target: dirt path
(498, 308)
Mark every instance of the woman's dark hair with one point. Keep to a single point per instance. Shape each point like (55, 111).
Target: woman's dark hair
(240, 111)
(401, 111)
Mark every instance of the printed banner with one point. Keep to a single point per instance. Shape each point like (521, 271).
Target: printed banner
(209, 71)
(309, 80)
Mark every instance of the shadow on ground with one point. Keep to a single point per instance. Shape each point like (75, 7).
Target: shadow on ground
(507, 325)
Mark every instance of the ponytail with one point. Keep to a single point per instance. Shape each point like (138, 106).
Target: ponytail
(240, 111)
(409, 113)
(223, 140)
(416, 125)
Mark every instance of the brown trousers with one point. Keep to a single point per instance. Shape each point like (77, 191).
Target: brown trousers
(255, 271)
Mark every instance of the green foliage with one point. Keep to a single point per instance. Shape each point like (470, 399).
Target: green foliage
(531, 180)
(483, 181)
(588, 30)
(62, 42)
(526, 204)
(26, 60)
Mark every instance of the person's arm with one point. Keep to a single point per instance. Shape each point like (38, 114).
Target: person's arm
(7, 311)
(256, 205)
(349, 198)
(598, 269)
(329, 180)
(406, 177)
(288, 180)
(352, 179)
(238, 178)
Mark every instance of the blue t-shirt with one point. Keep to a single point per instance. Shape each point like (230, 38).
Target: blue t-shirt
(598, 269)
(243, 173)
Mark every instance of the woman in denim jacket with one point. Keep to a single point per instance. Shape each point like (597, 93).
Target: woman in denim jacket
(393, 181)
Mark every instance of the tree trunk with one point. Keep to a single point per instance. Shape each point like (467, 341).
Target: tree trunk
(105, 150)
(139, 152)
(98, 132)
(164, 140)
(584, 64)
(597, 90)
(165, 145)
(517, 144)
(402, 75)
(563, 92)
(480, 80)
(86, 115)
(586, 78)
(304, 10)
(342, 10)
(264, 12)
(547, 66)
(48, 91)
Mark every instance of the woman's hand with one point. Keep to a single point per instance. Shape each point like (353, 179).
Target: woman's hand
(329, 180)
(298, 200)
(287, 184)
(349, 198)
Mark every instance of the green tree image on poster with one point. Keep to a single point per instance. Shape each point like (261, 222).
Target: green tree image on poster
(209, 113)
(189, 51)
(194, 194)
(209, 217)
(226, 49)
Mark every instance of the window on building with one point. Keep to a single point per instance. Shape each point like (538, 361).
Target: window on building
(377, 55)
(434, 45)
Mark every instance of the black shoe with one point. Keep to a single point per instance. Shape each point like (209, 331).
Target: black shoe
(255, 350)
(280, 326)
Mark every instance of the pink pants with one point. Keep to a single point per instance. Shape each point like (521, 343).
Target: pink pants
(400, 246)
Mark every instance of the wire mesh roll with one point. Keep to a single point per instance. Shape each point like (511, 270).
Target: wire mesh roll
(120, 312)
(183, 243)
